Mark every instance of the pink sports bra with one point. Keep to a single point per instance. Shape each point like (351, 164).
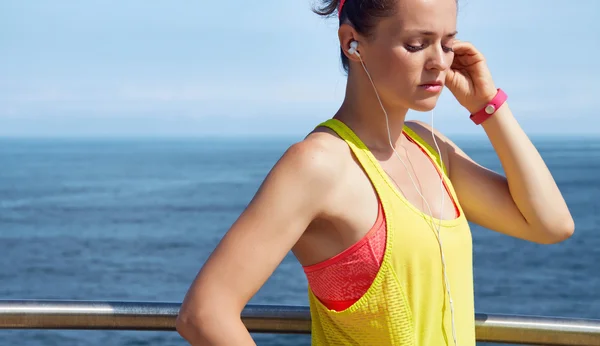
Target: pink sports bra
(341, 280)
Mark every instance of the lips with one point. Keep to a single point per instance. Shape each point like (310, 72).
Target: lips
(432, 87)
(431, 84)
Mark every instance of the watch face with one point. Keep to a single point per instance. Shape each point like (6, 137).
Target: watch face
(490, 109)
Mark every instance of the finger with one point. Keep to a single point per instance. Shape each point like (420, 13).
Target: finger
(449, 77)
(466, 60)
(464, 48)
(456, 65)
(467, 55)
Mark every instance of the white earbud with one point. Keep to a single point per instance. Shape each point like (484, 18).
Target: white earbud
(352, 50)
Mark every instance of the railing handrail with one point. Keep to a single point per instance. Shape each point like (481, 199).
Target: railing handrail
(160, 316)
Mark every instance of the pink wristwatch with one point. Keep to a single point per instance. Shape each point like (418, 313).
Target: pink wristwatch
(490, 108)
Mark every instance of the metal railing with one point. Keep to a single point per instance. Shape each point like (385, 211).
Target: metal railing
(106, 315)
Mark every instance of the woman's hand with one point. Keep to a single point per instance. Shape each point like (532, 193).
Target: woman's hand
(469, 78)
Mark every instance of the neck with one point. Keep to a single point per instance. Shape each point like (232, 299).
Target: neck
(362, 112)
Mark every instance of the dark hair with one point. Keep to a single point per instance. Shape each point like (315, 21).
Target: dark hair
(362, 15)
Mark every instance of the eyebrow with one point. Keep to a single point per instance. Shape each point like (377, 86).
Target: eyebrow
(431, 33)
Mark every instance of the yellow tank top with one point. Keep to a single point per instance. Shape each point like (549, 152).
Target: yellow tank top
(407, 303)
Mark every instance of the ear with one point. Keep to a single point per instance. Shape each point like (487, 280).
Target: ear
(347, 34)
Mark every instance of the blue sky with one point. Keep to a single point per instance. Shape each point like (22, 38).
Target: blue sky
(271, 67)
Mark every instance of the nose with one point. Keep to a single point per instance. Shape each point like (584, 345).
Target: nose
(438, 58)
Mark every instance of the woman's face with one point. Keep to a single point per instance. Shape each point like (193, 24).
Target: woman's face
(410, 52)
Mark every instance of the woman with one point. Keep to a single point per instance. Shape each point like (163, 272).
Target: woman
(376, 216)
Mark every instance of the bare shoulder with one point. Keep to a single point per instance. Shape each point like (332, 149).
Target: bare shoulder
(424, 131)
(447, 147)
(308, 174)
(318, 159)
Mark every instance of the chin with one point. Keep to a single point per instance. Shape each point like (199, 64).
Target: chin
(424, 105)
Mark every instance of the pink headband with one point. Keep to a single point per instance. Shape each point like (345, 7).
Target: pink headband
(341, 6)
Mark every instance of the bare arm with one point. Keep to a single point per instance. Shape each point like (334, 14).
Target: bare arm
(525, 204)
(291, 196)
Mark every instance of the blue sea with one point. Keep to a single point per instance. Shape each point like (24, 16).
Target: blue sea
(135, 219)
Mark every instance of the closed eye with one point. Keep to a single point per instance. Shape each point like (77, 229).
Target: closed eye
(413, 49)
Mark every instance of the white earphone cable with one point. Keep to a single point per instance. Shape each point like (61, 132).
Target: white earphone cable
(436, 229)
